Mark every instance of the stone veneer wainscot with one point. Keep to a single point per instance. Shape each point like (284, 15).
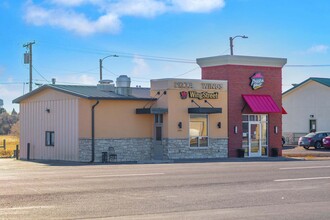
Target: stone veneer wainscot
(127, 149)
(179, 149)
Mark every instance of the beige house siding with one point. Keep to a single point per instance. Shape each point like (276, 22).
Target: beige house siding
(62, 119)
(301, 103)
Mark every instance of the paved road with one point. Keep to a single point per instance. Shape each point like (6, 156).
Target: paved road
(220, 190)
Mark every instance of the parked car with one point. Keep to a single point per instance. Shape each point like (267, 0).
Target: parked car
(326, 142)
(313, 139)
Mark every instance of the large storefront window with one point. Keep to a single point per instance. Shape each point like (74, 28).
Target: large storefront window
(198, 130)
(255, 135)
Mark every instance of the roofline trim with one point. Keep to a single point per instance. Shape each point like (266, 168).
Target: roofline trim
(27, 95)
(303, 83)
(241, 60)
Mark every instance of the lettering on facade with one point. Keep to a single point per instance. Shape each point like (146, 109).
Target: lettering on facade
(211, 86)
(189, 85)
(183, 85)
(257, 81)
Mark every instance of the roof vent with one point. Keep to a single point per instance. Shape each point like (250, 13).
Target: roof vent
(123, 85)
(106, 85)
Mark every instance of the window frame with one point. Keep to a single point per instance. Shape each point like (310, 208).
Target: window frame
(50, 138)
(199, 137)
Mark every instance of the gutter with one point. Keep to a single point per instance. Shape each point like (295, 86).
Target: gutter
(93, 131)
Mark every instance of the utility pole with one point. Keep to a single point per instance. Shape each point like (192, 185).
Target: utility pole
(101, 60)
(231, 43)
(28, 60)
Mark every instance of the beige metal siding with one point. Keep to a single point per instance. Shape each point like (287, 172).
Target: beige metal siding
(304, 101)
(62, 119)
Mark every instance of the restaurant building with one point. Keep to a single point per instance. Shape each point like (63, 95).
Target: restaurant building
(254, 101)
(236, 105)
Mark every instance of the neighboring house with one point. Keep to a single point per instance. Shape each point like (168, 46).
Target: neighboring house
(308, 107)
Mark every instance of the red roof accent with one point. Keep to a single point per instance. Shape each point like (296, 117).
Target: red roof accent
(283, 111)
(262, 103)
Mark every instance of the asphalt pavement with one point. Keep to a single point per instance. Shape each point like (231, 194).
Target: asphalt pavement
(277, 188)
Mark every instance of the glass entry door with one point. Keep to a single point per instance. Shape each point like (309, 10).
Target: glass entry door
(254, 139)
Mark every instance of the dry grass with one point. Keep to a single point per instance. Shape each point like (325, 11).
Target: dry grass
(11, 142)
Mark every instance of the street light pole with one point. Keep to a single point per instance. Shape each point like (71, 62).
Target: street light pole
(101, 60)
(231, 43)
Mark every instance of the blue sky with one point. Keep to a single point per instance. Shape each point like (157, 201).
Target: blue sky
(155, 38)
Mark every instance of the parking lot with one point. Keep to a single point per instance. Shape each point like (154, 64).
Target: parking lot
(297, 151)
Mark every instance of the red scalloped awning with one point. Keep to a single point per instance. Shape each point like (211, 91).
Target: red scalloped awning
(262, 104)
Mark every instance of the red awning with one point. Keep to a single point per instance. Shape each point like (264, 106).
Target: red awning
(262, 104)
(283, 111)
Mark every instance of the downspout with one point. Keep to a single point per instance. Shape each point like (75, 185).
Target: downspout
(93, 131)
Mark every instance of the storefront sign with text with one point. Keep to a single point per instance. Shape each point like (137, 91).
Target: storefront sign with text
(257, 81)
(189, 85)
(199, 95)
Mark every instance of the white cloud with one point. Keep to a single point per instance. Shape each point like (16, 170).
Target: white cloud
(140, 66)
(318, 49)
(70, 14)
(68, 2)
(198, 5)
(143, 8)
(72, 21)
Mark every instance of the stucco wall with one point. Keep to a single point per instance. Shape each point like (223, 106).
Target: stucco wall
(178, 107)
(114, 119)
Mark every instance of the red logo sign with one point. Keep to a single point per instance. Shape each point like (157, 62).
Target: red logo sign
(257, 81)
(183, 94)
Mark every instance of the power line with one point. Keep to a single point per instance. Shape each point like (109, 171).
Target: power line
(174, 60)
(40, 74)
(128, 55)
(187, 72)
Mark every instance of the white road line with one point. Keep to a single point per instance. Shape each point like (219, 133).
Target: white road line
(125, 175)
(27, 207)
(302, 168)
(301, 179)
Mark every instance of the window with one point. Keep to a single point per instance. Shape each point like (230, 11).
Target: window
(50, 136)
(159, 118)
(312, 125)
(198, 130)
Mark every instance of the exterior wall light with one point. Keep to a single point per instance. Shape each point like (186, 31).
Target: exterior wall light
(219, 124)
(48, 110)
(180, 125)
(235, 129)
(275, 129)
